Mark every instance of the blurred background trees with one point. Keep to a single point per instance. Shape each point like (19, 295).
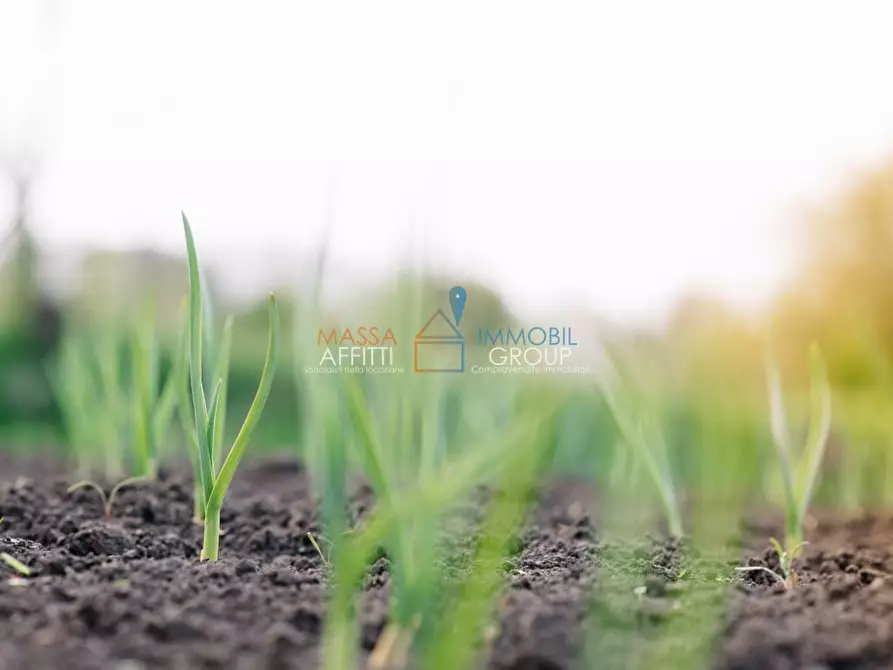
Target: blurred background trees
(843, 295)
(29, 320)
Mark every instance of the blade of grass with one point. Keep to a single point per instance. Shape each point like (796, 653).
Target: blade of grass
(15, 564)
(817, 437)
(142, 351)
(221, 373)
(782, 439)
(369, 441)
(461, 630)
(113, 396)
(164, 409)
(254, 413)
(221, 484)
(643, 437)
(196, 336)
(180, 377)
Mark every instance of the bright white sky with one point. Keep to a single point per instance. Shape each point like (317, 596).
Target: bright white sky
(605, 154)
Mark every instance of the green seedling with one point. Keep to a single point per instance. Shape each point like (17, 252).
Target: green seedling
(399, 445)
(461, 630)
(180, 375)
(398, 423)
(206, 416)
(152, 409)
(106, 404)
(15, 564)
(800, 473)
(411, 543)
(427, 497)
(325, 557)
(643, 437)
(85, 378)
(321, 410)
(107, 500)
(408, 428)
(785, 561)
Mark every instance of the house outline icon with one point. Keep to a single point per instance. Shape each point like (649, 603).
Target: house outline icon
(444, 342)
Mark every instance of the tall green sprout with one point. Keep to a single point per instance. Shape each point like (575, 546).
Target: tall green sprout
(396, 519)
(113, 395)
(800, 472)
(206, 414)
(321, 418)
(461, 627)
(406, 433)
(641, 433)
(388, 437)
(76, 391)
(152, 408)
(180, 373)
(398, 426)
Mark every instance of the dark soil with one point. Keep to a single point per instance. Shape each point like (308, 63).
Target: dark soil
(131, 594)
(840, 616)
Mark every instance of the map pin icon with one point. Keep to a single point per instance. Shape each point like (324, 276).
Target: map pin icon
(458, 297)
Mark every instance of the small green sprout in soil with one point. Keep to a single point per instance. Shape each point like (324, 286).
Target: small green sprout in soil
(786, 564)
(800, 473)
(207, 416)
(325, 557)
(107, 500)
(15, 564)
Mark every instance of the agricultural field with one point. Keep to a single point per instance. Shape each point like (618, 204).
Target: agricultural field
(446, 336)
(659, 510)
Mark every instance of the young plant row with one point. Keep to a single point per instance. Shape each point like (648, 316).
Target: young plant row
(638, 422)
(116, 412)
